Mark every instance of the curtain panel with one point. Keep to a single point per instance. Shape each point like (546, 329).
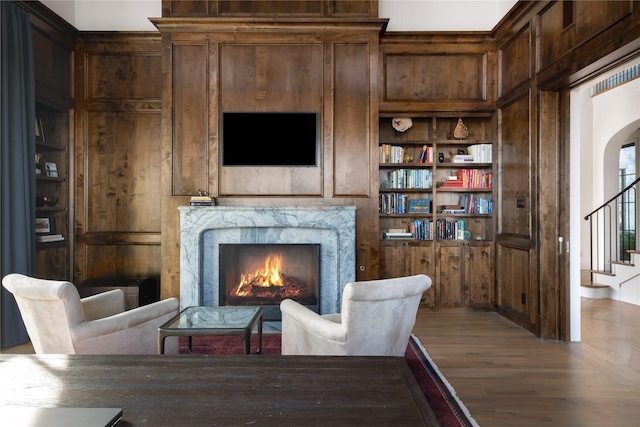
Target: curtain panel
(17, 161)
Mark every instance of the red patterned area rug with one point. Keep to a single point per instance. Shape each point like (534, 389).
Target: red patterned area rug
(442, 398)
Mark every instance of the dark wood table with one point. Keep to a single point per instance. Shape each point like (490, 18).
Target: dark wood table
(208, 390)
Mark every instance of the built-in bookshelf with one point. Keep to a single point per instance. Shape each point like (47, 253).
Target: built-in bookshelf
(436, 204)
(433, 185)
(52, 192)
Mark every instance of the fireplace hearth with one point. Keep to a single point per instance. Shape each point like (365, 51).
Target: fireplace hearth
(204, 231)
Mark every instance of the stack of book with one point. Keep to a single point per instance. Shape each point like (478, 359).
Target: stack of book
(481, 153)
(397, 233)
(452, 182)
(200, 201)
(42, 238)
(462, 158)
(451, 209)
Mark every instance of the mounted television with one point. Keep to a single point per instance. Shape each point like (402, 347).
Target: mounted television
(269, 139)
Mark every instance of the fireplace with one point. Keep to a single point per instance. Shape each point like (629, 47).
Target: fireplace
(266, 274)
(205, 230)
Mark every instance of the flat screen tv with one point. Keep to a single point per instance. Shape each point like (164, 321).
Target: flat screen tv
(269, 139)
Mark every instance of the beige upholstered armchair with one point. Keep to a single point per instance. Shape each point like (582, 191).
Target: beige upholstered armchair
(376, 320)
(59, 322)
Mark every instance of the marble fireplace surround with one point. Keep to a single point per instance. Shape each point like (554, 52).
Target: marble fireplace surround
(203, 229)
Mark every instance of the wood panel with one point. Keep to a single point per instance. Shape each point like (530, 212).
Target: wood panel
(516, 166)
(121, 172)
(401, 259)
(450, 274)
(514, 283)
(268, 8)
(589, 18)
(190, 118)
(351, 121)
(438, 72)
(123, 261)
(435, 77)
(549, 216)
(118, 155)
(282, 77)
(516, 61)
(480, 277)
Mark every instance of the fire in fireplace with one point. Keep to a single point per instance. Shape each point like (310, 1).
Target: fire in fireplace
(266, 274)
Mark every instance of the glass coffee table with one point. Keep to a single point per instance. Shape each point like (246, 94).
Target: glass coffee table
(214, 321)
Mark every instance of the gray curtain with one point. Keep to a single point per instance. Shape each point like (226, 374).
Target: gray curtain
(17, 163)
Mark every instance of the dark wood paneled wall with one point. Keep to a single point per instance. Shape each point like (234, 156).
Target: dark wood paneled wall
(211, 66)
(118, 155)
(545, 47)
(124, 216)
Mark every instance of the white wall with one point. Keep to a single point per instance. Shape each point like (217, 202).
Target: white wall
(404, 15)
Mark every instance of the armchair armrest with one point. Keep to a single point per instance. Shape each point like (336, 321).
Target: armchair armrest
(129, 332)
(104, 304)
(306, 332)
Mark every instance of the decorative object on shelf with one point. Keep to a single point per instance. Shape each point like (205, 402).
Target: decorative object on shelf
(408, 158)
(441, 157)
(45, 225)
(38, 169)
(51, 169)
(460, 131)
(401, 124)
(50, 200)
(39, 130)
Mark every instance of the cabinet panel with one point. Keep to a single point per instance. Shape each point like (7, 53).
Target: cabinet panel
(450, 274)
(190, 118)
(400, 259)
(435, 76)
(480, 277)
(351, 120)
(516, 159)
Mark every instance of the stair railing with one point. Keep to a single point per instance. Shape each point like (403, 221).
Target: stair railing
(610, 236)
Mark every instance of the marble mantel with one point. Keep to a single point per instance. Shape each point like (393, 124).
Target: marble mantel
(203, 229)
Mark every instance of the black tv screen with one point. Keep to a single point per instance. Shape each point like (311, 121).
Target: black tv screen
(269, 139)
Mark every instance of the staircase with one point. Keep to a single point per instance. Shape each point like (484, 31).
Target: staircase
(615, 260)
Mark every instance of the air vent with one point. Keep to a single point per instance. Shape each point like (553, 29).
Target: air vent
(567, 13)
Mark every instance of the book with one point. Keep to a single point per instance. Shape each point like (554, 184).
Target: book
(405, 235)
(50, 238)
(201, 201)
(420, 205)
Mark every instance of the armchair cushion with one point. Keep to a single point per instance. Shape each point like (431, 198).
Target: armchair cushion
(377, 319)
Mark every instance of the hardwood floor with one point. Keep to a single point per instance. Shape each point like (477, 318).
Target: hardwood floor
(507, 377)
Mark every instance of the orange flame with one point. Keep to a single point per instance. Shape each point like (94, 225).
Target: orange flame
(268, 276)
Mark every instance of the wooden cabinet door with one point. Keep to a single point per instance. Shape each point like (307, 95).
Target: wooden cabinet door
(480, 278)
(407, 259)
(420, 261)
(450, 275)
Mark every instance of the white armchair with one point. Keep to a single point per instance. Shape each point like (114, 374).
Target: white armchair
(377, 319)
(59, 322)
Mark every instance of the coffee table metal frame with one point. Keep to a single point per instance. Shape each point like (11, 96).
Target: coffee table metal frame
(214, 321)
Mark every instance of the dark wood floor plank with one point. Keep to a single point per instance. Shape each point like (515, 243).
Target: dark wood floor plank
(508, 377)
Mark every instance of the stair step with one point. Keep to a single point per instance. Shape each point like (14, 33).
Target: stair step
(632, 251)
(603, 272)
(593, 286)
(622, 263)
